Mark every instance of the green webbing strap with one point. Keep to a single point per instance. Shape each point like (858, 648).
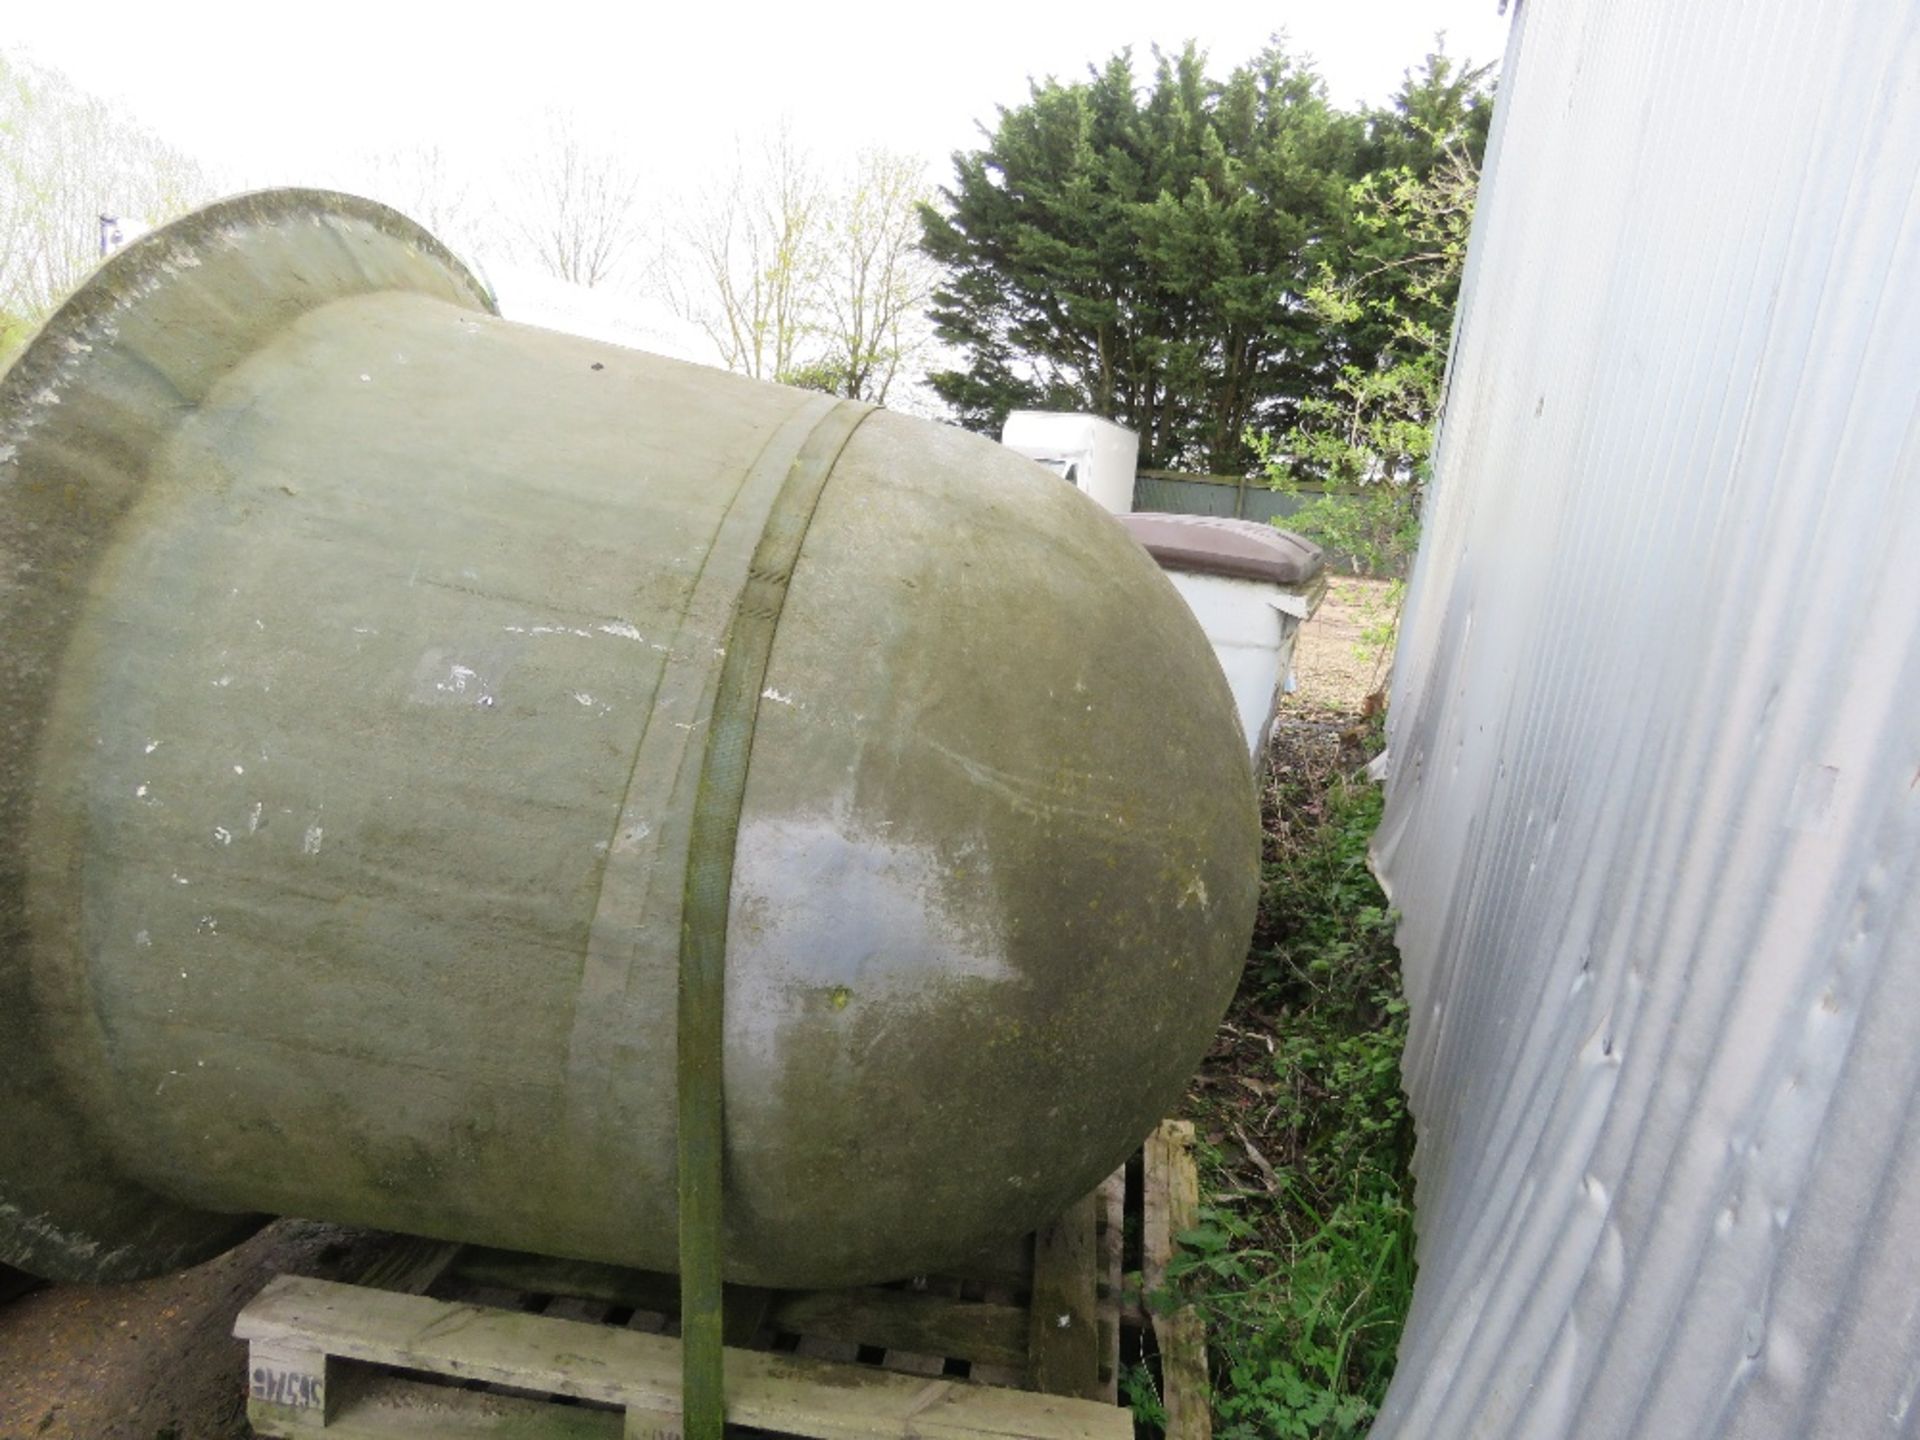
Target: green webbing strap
(703, 926)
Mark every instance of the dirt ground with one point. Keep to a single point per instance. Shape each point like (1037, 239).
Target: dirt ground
(157, 1361)
(1335, 669)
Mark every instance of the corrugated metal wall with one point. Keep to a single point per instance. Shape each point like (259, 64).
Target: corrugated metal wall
(1205, 495)
(1654, 802)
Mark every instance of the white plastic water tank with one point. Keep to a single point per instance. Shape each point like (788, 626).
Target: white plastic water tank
(1097, 456)
(1249, 585)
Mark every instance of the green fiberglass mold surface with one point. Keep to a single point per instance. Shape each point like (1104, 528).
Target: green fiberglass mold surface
(398, 705)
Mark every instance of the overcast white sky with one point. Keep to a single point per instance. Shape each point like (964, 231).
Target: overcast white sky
(266, 93)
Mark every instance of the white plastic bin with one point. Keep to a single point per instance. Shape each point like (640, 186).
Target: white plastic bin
(1250, 586)
(1094, 455)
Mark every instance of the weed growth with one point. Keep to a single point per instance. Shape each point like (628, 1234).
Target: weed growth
(1302, 1263)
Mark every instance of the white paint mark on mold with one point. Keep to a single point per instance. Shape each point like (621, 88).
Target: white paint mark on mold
(774, 695)
(1196, 890)
(442, 679)
(222, 835)
(581, 697)
(310, 842)
(152, 745)
(253, 817)
(620, 628)
(628, 840)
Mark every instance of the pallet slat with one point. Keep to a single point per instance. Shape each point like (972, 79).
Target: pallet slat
(1063, 1333)
(1007, 1267)
(907, 1320)
(585, 1279)
(906, 1362)
(1111, 1241)
(642, 1372)
(392, 1407)
(1172, 1205)
(411, 1266)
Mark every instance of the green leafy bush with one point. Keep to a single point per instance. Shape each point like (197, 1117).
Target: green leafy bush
(1302, 1265)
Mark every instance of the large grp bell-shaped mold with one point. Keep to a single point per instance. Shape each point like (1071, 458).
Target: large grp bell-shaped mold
(359, 653)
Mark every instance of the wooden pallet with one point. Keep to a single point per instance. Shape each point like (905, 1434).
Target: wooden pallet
(450, 1342)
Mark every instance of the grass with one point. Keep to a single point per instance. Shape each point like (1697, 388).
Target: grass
(1302, 1263)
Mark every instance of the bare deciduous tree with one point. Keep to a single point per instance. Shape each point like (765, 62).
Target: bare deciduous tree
(752, 250)
(67, 161)
(424, 183)
(810, 283)
(877, 282)
(579, 205)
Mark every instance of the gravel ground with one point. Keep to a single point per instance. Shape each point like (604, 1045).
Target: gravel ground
(1335, 668)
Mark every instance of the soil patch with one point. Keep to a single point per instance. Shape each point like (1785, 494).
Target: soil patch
(156, 1360)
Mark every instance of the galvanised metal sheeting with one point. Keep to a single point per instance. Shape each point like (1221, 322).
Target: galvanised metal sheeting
(1654, 802)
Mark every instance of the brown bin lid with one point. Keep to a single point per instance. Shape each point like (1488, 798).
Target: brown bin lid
(1213, 545)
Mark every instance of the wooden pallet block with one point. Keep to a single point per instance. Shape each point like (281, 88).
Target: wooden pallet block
(1023, 1341)
(1109, 1279)
(1171, 1205)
